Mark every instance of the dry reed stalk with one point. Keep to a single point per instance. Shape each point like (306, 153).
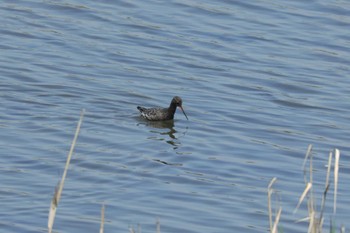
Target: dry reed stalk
(309, 190)
(102, 218)
(158, 226)
(315, 224)
(311, 228)
(329, 166)
(269, 194)
(58, 191)
(342, 229)
(323, 204)
(131, 229)
(307, 155)
(277, 219)
(326, 187)
(311, 203)
(303, 195)
(336, 170)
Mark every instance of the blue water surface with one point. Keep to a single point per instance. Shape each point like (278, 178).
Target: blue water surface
(260, 81)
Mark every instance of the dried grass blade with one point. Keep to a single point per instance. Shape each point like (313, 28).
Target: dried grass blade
(311, 223)
(277, 219)
(342, 229)
(158, 226)
(323, 204)
(102, 218)
(269, 193)
(326, 188)
(58, 192)
(307, 155)
(302, 197)
(336, 171)
(329, 166)
(306, 219)
(53, 208)
(309, 149)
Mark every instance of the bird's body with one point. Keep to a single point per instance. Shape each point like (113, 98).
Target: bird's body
(162, 114)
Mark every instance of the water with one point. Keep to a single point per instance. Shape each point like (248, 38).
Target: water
(260, 81)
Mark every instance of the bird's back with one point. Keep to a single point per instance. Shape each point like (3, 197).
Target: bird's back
(154, 114)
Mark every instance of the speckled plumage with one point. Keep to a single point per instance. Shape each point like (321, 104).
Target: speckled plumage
(162, 114)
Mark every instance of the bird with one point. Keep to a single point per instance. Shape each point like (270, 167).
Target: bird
(162, 114)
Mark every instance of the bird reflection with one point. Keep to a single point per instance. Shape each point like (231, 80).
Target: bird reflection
(165, 129)
(169, 125)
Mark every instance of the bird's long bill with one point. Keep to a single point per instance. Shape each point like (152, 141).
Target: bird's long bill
(183, 112)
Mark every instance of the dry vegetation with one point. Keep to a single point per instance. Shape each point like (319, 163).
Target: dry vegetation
(58, 191)
(314, 218)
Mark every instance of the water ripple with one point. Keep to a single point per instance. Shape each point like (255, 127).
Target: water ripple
(259, 81)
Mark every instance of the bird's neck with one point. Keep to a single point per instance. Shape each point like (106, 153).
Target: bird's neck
(172, 108)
